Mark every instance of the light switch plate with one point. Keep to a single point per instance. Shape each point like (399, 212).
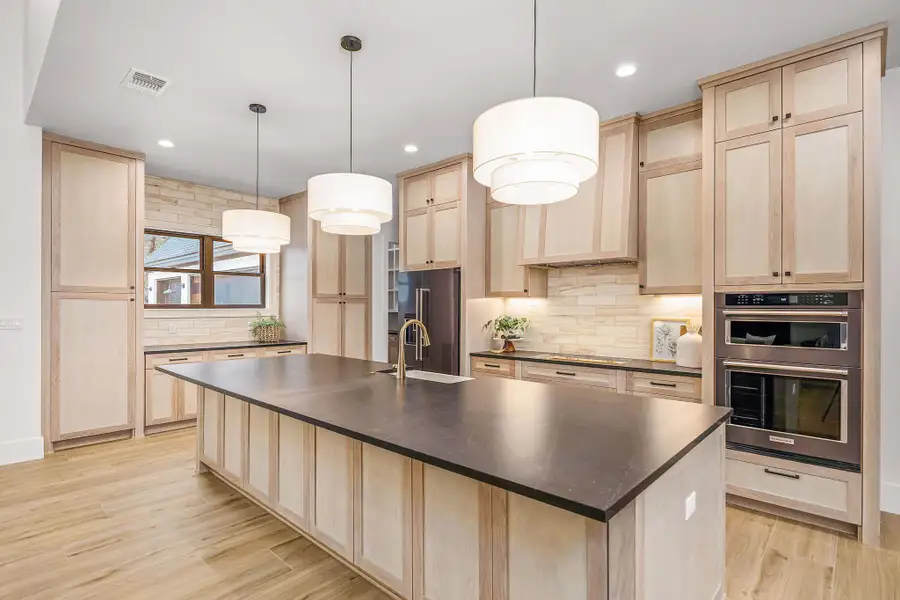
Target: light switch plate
(10, 323)
(690, 505)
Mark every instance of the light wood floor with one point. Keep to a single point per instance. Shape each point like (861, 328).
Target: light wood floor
(129, 520)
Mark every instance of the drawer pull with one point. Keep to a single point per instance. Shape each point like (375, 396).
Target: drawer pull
(235, 355)
(178, 359)
(284, 352)
(659, 384)
(492, 366)
(568, 373)
(780, 474)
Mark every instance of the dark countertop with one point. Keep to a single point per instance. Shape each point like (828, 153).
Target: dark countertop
(586, 451)
(628, 364)
(204, 346)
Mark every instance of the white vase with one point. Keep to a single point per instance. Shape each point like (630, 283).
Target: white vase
(690, 349)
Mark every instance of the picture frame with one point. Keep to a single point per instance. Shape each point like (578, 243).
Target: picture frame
(664, 334)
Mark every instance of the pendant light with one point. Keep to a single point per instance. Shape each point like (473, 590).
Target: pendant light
(350, 203)
(536, 150)
(256, 231)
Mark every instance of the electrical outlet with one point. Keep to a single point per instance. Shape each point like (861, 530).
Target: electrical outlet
(11, 323)
(690, 505)
(173, 329)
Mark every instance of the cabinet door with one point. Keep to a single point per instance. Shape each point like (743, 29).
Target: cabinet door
(504, 275)
(326, 326)
(356, 265)
(93, 221)
(160, 402)
(447, 185)
(92, 364)
(326, 279)
(452, 516)
(234, 439)
(530, 237)
(355, 329)
(616, 235)
(823, 201)
(188, 397)
(824, 86)
(331, 510)
(672, 141)
(446, 234)
(570, 225)
(670, 236)
(295, 462)
(260, 435)
(416, 192)
(383, 505)
(748, 106)
(417, 239)
(748, 210)
(213, 424)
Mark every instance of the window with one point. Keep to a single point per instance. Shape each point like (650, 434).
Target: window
(183, 270)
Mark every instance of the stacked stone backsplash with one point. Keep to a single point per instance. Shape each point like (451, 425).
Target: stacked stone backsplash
(598, 311)
(173, 205)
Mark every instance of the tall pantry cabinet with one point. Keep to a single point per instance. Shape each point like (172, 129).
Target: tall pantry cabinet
(93, 197)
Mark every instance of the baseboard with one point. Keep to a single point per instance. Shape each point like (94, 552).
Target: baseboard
(18, 451)
(890, 497)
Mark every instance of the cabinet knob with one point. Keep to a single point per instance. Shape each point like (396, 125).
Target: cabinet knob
(787, 273)
(774, 273)
(642, 163)
(526, 291)
(787, 116)
(641, 286)
(775, 119)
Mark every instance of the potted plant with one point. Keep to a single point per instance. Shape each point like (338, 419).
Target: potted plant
(504, 330)
(266, 328)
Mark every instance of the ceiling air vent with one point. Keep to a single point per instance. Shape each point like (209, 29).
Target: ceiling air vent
(145, 82)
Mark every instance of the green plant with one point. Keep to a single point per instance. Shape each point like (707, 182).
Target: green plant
(262, 320)
(506, 327)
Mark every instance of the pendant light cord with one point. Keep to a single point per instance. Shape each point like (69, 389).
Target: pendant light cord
(257, 161)
(351, 112)
(534, 50)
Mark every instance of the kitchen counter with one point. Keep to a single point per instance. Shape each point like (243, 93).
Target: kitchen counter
(210, 346)
(586, 451)
(624, 364)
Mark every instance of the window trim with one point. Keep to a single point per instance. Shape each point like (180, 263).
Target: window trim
(207, 274)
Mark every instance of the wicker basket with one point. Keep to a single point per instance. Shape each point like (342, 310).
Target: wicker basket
(268, 333)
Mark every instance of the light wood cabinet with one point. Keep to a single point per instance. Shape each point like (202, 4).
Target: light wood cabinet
(341, 264)
(431, 224)
(331, 510)
(355, 329)
(662, 385)
(383, 536)
(160, 398)
(294, 467)
(822, 87)
(671, 137)
(211, 443)
(748, 106)
(281, 351)
(259, 461)
(505, 278)
(234, 439)
(599, 223)
(341, 327)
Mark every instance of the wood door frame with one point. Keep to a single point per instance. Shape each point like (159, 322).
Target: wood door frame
(674, 169)
(853, 56)
(773, 138)
(773, 77)
(682, 114)
(854, 124)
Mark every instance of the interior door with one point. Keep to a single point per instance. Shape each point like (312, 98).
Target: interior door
(355, 329)
(326, 263)
(326, 326)
(748, 106)
(748, 210)
(824, 86)
(823, 201)
(417, 240)
(356, 266)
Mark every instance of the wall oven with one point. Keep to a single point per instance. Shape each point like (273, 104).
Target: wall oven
(788, 364)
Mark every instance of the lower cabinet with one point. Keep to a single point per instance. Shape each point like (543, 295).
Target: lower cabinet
(331, 510)
(261, 434)
(210, 444)
(234, 428)
(295, 448)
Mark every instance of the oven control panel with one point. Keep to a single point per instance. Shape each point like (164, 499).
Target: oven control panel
(790, 299)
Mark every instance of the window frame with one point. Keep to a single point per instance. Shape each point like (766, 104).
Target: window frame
(207, 274)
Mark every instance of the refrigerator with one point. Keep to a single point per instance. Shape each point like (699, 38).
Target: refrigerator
(433, 298)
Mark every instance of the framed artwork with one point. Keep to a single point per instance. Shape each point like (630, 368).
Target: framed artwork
(664, 334)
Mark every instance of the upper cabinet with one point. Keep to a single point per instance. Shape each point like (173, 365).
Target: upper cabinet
(431, 217)
(506, 278)
(748, 106)
(340, 264)
(600, 222)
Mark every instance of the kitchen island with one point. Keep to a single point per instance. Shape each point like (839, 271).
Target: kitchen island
(482, 489)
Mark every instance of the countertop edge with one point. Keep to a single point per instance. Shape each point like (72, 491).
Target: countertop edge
(551, 499)
(661, 369)
(180, 349)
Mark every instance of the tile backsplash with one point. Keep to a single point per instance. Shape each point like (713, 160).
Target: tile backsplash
(598, 311)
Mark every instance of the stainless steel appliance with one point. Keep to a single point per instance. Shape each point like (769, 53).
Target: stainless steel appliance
(432, 297)
(788, 364)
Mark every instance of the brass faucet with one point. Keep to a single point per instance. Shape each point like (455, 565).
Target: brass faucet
(401, 354)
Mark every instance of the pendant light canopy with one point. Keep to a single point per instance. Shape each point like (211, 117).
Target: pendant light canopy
(536, 150)
(350, 203)
(256, 231)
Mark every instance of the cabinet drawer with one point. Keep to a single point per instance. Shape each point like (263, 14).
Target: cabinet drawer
(235, 354)
(569, 375)
(282, 351)
(807, 488)
(651, 384)
(158, 360)
(500, 367)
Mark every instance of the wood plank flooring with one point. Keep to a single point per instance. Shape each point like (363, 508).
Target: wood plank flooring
(129, 520)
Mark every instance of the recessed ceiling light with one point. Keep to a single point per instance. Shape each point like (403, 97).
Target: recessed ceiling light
(411, 148)
(166, 143)
(626, 70)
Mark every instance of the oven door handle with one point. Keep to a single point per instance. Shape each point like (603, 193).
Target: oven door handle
(786, 313)
(786, 368)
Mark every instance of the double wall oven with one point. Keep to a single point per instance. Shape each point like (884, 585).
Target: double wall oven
(789, 366)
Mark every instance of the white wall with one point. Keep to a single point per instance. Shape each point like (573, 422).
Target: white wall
(294, 310)
(890, 281)
(40, 16)
(20, 250)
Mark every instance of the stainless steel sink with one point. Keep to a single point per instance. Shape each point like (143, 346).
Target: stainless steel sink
(425, 375)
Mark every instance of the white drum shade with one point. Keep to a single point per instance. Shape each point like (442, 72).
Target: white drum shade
(256, 231)
(536, 150)
(350, 203)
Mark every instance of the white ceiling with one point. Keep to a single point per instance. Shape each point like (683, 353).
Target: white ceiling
(427, 70)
